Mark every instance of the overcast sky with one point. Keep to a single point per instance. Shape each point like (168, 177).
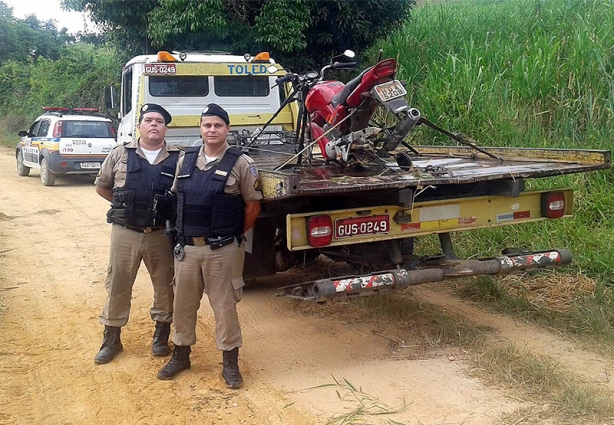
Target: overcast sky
(49, 9)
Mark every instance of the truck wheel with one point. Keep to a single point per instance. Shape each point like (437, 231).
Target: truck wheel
(22, 170)
(407, 246)
(47, 178)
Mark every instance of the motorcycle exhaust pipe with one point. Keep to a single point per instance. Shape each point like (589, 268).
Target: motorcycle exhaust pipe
(405, 125)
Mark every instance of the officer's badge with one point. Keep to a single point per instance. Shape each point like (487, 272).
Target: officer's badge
(144, 108)
(257, 186)
(205, 110)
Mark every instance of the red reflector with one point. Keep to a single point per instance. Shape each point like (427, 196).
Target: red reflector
(522, 214)
(319, 230)
(553, 204)
(64, 164)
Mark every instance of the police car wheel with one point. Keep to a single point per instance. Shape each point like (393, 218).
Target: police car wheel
(47, 178)
(22, 170)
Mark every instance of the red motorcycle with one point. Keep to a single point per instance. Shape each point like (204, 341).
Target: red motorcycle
(340, 117)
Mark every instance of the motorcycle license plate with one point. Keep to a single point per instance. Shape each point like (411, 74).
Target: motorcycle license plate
(348, 227)
(390, 90)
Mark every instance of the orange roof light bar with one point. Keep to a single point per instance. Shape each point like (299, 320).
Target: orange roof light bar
(262, 57)
(165, 57)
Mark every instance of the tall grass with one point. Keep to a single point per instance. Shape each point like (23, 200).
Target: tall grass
(524, 73)
(535, 73)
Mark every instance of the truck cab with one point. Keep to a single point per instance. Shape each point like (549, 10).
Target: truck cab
(184, 83)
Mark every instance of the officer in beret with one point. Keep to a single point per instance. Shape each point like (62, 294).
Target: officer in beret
(136, 178)
(218, 200)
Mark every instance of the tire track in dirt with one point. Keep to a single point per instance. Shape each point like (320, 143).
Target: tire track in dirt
(589, 367)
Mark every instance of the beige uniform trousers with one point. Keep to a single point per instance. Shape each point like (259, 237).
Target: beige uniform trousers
(128, 248)
(219, 273)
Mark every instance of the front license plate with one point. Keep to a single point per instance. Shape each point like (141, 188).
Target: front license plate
(348, 227)
(390, 90)
(90, 165)
(160, 68)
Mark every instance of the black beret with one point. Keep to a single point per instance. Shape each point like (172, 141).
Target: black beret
(154, 107)
(217, 110)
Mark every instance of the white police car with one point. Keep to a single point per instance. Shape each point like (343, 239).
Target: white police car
(65, 141)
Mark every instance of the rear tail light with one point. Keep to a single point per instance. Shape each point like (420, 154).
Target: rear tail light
(553, 204)
(113, 132)
(57, 129)
(385, 68)
(319, 230)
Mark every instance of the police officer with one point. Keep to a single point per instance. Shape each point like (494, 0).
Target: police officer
(136, 178)
(218, 200)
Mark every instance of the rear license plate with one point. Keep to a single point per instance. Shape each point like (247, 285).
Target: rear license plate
(90, 165)
(390, 90)
(355, 226)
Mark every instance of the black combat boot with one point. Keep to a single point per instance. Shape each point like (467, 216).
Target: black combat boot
(111, 345)
(180, 361)
(160, 340)
(230, 372)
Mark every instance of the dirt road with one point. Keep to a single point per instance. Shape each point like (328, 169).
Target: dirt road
(298, 369)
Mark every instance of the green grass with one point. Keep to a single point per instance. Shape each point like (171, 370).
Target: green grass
(543, 381)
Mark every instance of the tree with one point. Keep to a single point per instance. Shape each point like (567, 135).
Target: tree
(297, 32)
(21, 40)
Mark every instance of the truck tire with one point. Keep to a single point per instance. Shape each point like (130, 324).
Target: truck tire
(407, 246)
(22, 170)
(47, 178)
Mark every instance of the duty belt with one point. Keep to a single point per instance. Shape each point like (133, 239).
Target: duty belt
(143, 229)
(214, 242)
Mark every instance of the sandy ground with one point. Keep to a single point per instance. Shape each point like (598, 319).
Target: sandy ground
(297, 368)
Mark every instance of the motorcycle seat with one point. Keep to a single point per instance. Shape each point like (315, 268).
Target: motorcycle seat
(342, 96)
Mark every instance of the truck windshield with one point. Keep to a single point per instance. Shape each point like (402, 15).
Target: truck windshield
(164, 86)
(242, 86)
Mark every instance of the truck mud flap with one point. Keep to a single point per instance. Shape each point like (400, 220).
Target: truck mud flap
(327, 289)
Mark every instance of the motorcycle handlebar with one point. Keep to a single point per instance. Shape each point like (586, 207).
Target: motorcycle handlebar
(338, 65)
(284, 79)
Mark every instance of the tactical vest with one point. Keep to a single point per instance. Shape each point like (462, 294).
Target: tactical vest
(203, 208)
(146, 187)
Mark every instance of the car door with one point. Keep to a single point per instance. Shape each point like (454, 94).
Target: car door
(30, 149)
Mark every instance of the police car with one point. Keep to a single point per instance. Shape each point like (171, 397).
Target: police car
(65, 141)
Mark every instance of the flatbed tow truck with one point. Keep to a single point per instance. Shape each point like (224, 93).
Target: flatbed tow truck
(368, 216)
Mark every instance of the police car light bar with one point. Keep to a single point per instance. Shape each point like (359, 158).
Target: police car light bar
(55, 108)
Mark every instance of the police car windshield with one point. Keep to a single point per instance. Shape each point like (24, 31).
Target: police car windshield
(87, 129)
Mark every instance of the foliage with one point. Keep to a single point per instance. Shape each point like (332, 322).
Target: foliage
(21, 40)
(123, 23)
(76, 79)
(514, 72)
(296, 32)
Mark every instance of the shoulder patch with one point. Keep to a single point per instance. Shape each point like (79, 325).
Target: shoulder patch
(257, 186)
(253, 171)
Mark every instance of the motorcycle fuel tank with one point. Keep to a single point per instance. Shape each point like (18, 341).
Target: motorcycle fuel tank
(319, 98)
